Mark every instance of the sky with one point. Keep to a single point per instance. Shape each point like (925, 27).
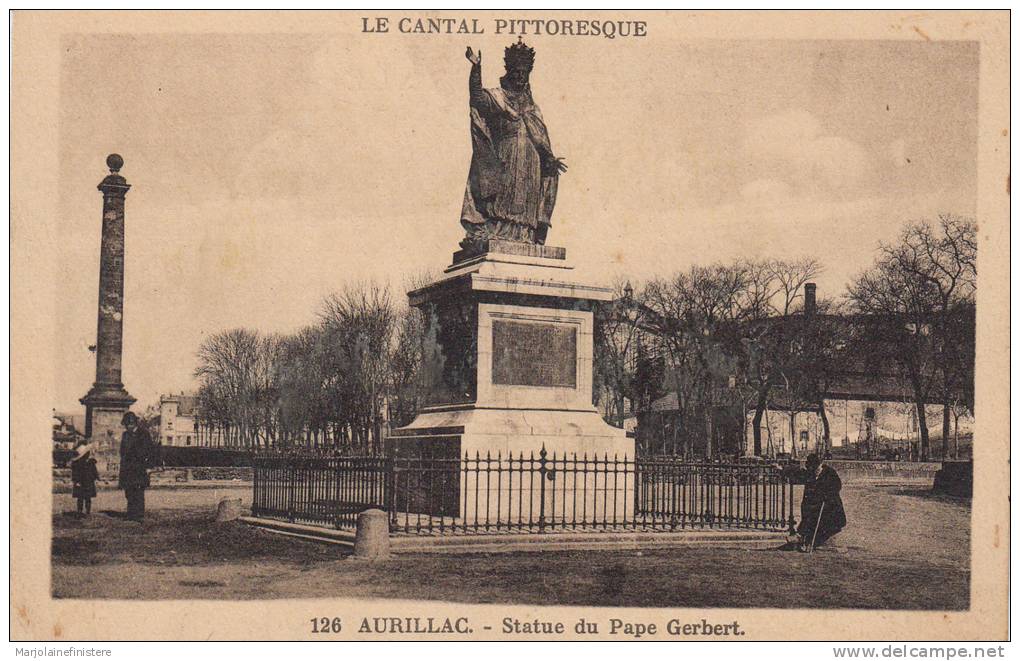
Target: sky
(268, 170)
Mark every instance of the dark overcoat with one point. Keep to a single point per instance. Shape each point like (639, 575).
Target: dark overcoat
(135, 459)
(84, 475)
(818, 491)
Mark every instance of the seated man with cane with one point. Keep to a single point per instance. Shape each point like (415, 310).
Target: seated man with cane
(821, 510)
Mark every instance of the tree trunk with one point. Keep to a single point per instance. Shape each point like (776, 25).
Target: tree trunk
(922, 419)
(922, 425)
(956, 435)
(945, 431)
(708, 433)
(793, 434)
(826, 440)
(759, 411)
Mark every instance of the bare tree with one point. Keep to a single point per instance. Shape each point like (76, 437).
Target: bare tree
(697, 316)
(405, 367)
(228, 373)
(300, 377)
(820, 357)
(328, 383)
(358, 324)
(617, 345)
(789, 278)
(919, 301)
(771, 303)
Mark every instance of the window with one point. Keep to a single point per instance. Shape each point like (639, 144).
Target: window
(188, 441)
(169, 440)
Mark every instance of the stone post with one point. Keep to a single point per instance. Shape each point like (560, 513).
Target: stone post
(372, 539)
(107, 401)
(229, 509)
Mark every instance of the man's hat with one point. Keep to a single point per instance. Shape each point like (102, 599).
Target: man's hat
(812, 461)
(82, 449)
(128, 418)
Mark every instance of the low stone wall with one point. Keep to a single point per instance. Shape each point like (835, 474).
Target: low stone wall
(242, 473)
(199, 474)
(195, 475)
(886, 471)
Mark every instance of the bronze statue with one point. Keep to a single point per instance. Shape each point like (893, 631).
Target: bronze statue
(511, 187)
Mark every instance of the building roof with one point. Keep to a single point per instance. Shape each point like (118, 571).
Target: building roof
(75, 421)
(871, 387)
(187, 405)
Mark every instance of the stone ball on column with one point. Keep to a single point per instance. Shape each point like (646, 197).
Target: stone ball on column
(114, 162)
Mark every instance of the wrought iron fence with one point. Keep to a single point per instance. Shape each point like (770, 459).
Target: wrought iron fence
(317, 488)
(526, 492)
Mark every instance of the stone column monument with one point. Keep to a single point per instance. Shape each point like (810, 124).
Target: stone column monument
(510, 340)
(107, 401)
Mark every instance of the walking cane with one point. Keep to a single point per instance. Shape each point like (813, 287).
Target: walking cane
(814, 535)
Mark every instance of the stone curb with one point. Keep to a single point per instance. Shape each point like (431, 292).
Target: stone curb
(511, 543)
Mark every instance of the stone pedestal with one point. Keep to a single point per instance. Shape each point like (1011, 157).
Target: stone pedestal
(104, 411)
(510, 363)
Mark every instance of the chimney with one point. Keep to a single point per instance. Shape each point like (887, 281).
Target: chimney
(809, 298)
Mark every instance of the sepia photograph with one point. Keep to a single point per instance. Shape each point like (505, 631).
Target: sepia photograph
(498, 325)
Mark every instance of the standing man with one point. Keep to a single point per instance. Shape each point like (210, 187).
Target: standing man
(135, 459)
(821, 510)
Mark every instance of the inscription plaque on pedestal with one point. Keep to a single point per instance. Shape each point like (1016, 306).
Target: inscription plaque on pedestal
(534, 354)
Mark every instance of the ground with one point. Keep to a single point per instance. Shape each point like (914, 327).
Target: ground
(904, 548)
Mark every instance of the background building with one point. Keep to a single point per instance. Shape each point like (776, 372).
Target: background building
(179, 423)
(826, 372)
(68, 429)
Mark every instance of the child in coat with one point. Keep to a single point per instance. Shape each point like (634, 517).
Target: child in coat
(83, 478)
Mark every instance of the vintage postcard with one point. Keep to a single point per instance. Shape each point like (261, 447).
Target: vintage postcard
(498, 325)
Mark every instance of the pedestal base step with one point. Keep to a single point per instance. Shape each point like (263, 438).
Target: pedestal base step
(516, 542)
